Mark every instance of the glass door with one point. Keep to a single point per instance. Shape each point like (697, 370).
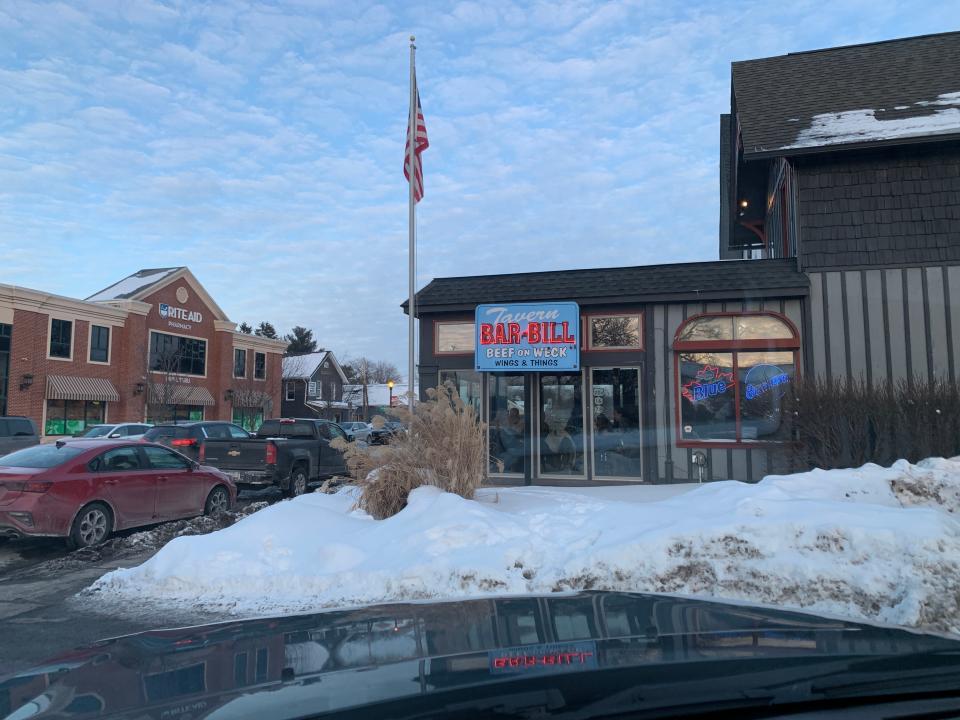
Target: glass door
(506, 419)
(560, 434)
(615, 411)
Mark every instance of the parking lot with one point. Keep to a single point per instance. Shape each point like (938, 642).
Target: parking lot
(41, 614)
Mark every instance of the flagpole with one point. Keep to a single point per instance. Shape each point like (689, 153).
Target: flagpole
(412, 145)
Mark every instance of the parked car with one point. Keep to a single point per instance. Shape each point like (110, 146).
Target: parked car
(84, 490)
(383, 435)
(17, 432)
(289, 453)
(189, 437)
(131, 431)
(357, 430)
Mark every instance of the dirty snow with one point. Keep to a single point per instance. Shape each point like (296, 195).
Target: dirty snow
(880, 544)
(852, 126)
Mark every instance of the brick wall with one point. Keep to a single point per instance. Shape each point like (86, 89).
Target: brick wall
(885, 207)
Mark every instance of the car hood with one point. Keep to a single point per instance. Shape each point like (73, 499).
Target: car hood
(294, 666)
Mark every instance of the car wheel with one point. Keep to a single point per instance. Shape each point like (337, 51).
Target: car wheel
(298, 482)
(92, 525)
(218, 501)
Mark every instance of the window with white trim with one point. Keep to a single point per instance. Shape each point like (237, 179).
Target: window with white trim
(291, 392)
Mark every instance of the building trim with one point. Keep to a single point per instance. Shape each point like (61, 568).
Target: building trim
(20, 298)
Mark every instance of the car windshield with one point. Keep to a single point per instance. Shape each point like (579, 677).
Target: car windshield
(99, 431)
(41, 456)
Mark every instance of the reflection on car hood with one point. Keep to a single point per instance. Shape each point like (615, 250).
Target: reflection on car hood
(307, 664)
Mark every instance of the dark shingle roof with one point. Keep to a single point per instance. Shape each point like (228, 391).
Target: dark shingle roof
(898, 90)
(719, 279)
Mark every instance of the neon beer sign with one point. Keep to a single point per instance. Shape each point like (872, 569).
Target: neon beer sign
(528, 337)
(761, 379)
(709, 382)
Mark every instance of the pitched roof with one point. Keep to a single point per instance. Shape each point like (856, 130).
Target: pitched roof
(726, 279)
(883, 92)
(135, 285)
(303, 367)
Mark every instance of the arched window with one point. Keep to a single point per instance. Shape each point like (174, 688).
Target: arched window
(732, 373)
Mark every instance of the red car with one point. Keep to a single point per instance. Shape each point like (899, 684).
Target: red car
(84, 490)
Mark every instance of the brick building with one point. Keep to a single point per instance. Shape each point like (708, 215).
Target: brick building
(154, 346)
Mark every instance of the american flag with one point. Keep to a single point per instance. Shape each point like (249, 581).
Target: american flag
(421, 144)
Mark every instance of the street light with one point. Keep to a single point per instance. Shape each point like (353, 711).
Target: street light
(390, 385)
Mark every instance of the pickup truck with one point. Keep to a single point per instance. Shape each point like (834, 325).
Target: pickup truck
(287, 453)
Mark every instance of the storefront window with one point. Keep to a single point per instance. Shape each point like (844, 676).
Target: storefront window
(174, 413)
(73, 417)
(506, 419)
(454, 337)
(733, 372)
(468, 385)
(561, 424)
(616, 422)
(616, 332)
(250, 419)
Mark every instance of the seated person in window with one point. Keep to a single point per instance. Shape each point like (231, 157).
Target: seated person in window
(506, 443)
(557, 451)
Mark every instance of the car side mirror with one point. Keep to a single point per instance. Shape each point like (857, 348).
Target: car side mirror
(115, 435)
(194, 466)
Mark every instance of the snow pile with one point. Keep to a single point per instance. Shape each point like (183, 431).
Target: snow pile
(873, 543)
(851, 126)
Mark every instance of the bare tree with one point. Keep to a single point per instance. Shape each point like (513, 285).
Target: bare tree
(251, 403)
(377, 371)
(165, 387)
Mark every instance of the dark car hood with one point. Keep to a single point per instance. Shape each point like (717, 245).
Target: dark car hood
(296, 666)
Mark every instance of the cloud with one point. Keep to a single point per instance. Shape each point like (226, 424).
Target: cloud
(261, 143)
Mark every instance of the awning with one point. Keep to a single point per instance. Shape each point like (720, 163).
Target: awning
(66, 387)
(180, 395)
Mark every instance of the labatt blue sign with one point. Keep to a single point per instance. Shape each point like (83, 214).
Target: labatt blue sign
(528, 337)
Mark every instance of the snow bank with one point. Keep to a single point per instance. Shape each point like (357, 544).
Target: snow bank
(874, 543)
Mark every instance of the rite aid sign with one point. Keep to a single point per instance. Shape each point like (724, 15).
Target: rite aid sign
(528, 337)
(169, 312)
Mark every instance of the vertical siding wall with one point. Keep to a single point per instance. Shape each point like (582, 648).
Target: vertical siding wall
(747, 464)
(887, 323)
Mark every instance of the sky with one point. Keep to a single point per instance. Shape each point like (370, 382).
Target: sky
(261, 143)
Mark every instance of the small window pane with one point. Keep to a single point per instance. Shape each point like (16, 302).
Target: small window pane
(762, 327)
(708, 328)
(259, 366)
(765, 379)
(615, 331)
(99, 343)
(707, 403)
(60, 333)
(239, 363)
(455, 337)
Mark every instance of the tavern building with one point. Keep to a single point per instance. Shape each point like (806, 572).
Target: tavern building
(840, 257)
(152, 347)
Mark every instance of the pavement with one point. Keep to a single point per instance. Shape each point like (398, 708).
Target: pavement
(41, 615)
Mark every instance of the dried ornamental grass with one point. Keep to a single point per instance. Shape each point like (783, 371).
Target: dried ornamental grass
(444, 445)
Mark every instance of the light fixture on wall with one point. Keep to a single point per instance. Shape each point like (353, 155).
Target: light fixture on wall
(228, 395)
(139, 388)
(26, 381)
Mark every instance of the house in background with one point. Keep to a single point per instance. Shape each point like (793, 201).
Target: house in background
(380, 398)
(313, 386)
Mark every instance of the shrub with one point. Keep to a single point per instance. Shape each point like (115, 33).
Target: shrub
(444, 445)
(849, 422)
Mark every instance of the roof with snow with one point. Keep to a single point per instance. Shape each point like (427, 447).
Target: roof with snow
(718, 279)
(135, 285)
(877, 93)
(303, 367)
